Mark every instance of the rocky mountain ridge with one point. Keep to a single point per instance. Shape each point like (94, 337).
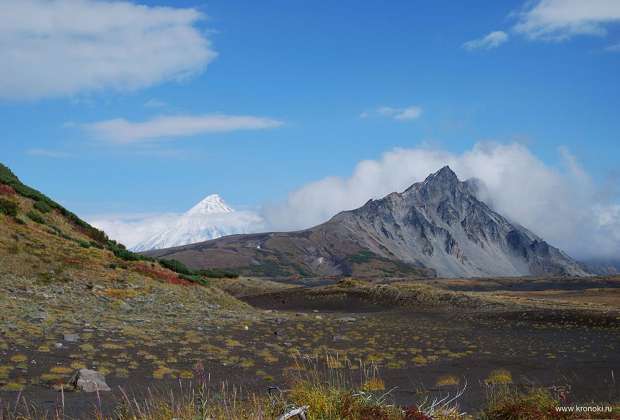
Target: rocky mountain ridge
(436, 227)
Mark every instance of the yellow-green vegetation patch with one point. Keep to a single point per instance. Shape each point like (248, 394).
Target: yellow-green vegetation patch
(78, 365)
(112, 346)
(61, 370)
(162, 372)
(12, 387)
(499, 377)
(373, 384)
(87, 347)
(52, 377)
(44, 348)
(5, 371)
(18, 358)
(447, 380)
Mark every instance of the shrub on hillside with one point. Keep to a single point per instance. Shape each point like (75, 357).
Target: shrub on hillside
(218, 273)
(194, 279)
(123, 253)
(8, 207)
(35, 217)
(176, 266)
(42, 206)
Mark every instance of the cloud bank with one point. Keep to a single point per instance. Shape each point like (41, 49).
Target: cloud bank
(51, 48)
(133, 229)
(561, 204)
(490, 41)
(122, 131)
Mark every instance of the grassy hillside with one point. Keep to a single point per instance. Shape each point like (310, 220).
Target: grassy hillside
(41, 239)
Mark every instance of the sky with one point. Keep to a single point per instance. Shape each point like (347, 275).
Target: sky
(296, 110)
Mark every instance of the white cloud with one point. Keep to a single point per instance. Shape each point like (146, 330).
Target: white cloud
(51, 48)
(56, 154)
(560, 204)
(400, 114)
(557, 20)
(133, 229)
(492, 40)
(122, 131)
(130, 229)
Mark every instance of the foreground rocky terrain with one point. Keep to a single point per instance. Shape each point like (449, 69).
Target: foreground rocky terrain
(426, 339)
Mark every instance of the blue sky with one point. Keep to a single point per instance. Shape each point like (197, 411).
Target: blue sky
(307, 71)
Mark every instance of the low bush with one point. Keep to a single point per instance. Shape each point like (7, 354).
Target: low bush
(123, 253)
(176, 266)
(194, 278)
(96, 244)
(42, 206)
(8, 207)
(217, 273)
(36, 217)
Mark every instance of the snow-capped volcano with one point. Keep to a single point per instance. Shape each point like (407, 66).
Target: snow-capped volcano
(209, 219)
(209, 205)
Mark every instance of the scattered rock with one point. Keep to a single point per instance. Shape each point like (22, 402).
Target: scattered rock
(39, 316)
(58, 345)
(347, 319)
(340, 338)
(88, 381)
(71, 338)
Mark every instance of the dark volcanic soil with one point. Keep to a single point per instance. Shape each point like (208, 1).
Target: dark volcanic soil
(419, 350)
(416, 348)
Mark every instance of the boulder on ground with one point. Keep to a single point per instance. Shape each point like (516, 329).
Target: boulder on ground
(88, 381)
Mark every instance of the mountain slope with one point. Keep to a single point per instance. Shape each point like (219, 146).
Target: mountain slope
(436, 227)
(209, 219)
(603, 266)
(42, 241)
